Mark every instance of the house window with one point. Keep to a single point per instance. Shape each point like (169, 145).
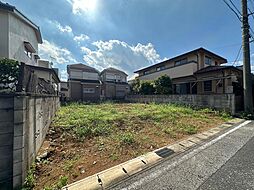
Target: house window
(208, 86)
(146, 72)
(160, 68)
(208, 60)
(181, 62)
(89, 90)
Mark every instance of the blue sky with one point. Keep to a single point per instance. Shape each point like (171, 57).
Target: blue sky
(131, 34)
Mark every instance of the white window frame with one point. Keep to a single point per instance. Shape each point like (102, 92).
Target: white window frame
(88, 90)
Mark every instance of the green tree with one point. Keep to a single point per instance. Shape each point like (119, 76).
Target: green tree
(163, 85)
(146, 88)
(135, 86)
(9, 72)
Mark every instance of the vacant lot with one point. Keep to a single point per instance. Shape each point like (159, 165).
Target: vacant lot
(85, 139)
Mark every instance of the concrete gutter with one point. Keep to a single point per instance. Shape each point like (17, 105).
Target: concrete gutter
(122, 171)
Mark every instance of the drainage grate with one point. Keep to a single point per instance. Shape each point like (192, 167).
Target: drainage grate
(165, 152)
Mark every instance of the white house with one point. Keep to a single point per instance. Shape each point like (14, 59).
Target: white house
(19, 36)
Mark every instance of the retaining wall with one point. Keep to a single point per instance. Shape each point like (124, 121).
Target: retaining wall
(24, 121)
(224, 102)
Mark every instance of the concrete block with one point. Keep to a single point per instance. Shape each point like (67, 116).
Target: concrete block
(19, 129)
(201, 136)
(5, 164)
(17, 168)
(176, 148)
(18, 155)
(6, 139)
(112, 175)
(17, 182)
(6, 103)
(90, 183)
(187, 143)
(133, 166)
(6, 115)
(19, 116)
(20, 103)
(6, 152)
(6, 184)
(6, 127)
(5, 175)
(150, 158)
(194, 139)
(18, 142)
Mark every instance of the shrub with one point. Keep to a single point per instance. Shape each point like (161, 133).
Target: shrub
(147, 88)
(163, 85)
(9, 73)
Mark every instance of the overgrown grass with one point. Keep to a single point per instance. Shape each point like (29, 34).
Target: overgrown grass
(84, 121)
(30, 179)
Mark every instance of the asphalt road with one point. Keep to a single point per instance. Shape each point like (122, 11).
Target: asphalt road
(226, 162)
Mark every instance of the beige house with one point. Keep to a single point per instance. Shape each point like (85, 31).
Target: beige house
(114, 83)
(83, 83)
(19, 36)
(196, 72)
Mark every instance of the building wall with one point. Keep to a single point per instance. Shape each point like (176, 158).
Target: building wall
(4, 45)
(195, 61)
(175, 72)
(19, 32)
(224, 102)
(75, 89)
(91, 92)
(113, 76)
(24, 122)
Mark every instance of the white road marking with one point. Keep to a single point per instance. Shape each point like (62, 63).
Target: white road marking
(185, 157)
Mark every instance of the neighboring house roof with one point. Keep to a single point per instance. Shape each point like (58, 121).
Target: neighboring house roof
(17, 13)
(215, 68)
(113, 70)
(187, 53)
(83, 67)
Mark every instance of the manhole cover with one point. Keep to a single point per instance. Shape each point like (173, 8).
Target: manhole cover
(165, 152)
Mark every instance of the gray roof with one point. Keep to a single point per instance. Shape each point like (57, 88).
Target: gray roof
(82, 66)
(111, 69)
(16, 12)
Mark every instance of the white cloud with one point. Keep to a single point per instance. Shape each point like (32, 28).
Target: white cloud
(81, 38)
(63, 75)
(55, 53)
(83, 6)
(119, 54)
(63, 29)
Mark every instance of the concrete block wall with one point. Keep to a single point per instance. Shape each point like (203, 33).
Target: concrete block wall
(24, 121)
(224, 102)
(6, 141)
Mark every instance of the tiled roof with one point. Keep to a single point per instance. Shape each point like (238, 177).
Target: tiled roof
(215, 68)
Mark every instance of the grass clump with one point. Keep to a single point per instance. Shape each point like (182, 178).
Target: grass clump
(126, 138)
(30, 179)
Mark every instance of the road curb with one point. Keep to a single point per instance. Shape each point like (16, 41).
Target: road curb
(122, 171)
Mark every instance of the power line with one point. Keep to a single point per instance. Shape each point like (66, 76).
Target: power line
(239, 18)
(235, 7)
(238, 55)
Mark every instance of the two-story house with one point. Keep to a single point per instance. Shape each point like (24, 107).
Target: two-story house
(114, 82)
(83, 83)
(19, 36)
(196, 72)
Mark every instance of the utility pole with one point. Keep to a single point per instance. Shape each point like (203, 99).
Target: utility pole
(247, 77)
